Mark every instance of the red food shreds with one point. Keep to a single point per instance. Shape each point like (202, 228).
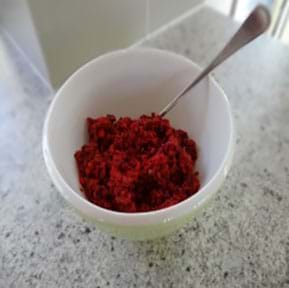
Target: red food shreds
(136, 165)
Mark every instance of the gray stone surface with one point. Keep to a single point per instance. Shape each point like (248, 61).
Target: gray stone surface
(241, 240)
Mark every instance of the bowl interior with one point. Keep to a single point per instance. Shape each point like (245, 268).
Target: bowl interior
(131, 83)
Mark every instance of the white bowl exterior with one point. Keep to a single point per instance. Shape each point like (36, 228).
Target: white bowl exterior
(131, 83)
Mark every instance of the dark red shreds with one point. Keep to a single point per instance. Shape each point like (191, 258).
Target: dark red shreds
(136, 165)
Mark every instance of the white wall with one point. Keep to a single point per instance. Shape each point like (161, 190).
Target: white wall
(163, 11)
(71, 32)
(15, 18)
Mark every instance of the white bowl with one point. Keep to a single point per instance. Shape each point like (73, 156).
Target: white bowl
(131, 83)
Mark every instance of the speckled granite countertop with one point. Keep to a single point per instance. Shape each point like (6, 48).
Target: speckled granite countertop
(241, 240)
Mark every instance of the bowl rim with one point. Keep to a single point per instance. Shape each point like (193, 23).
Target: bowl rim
(136, 218)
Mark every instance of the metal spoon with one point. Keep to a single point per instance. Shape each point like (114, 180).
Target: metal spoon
(256, 23)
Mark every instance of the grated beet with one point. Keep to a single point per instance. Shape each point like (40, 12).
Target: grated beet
(136, 165)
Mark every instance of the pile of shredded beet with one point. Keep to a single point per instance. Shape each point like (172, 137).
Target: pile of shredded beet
(136, 165)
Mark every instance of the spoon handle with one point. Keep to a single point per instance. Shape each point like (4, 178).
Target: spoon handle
(256, 23)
